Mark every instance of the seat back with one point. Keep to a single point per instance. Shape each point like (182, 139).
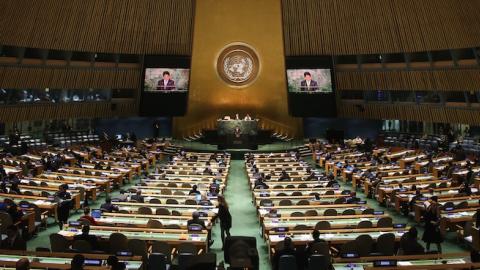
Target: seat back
(82, 246)
(58, 243)
(364, 244)
(138, 247)
(287, 262)
(386, 244)
(318, 261)
(118, 242)
(157, 261)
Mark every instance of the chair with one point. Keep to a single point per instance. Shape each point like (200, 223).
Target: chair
(166, 192)
(296, 193)
(340, 201)
(364, 224)
(118, 242)
(179, 193)
(349, 247)
(285, 203)
(186, 248)
(45, 194)
(155, 200)
(297, 214)
(172, 185)
(301, 227)
(43, 184)
(386, 244)
(172, 201)
(176, 213)
(281, 194)
(323, 225)
(157, 261)
(462, 205)
(32, 183)
(186, 185)
(318, 261)
(330, 192)
(58, 243)
(172, 226)
(303, 202)
(330, 212)
(311, 213)
(190, 202)
(184, 260)
(138, 247)
(287, 262)
(81, 246)
(162, 212)
(385, 222)
(368, 211)
(364, 244)
(266, 202)
(144, 210)
(163, 248)
(448, 205)
(348, 212)
(153, 223)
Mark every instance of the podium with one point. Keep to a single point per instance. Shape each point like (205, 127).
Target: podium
(237, 134)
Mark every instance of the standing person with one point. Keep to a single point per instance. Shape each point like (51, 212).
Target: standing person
(432, 232)
(64, 204)
(225, 218)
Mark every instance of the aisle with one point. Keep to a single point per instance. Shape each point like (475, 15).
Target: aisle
(245, 221)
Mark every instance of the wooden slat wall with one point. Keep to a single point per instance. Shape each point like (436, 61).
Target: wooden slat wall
(63, 78)
(339, 27)
(410, 112)
(65, 111)
(117, 26)
(435, 80)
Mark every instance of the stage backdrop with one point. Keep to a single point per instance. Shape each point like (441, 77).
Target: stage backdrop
(247, 38)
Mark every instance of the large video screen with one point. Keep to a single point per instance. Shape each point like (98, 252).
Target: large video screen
(166, 79)
(309, 80)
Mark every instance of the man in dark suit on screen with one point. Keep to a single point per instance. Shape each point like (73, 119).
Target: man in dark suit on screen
(308, 84)
(166, 83)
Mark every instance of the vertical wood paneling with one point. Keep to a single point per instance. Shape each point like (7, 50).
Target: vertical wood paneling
(327, 27)
(123, 26)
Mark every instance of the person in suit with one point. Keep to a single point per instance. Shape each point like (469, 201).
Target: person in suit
(316, 239)
(64, 199)
(287, 249)
(308, 84)
(409, 244)
(13, 241)
(91, 239)
(432, 232)
(225, 218)
(166, 83)
(194, 190)
(138, 197)
(108, 206)
(196, 220)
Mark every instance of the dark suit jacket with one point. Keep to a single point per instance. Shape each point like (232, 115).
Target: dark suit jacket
(313, 86)
(196, 221)
(138, 198)
(170, 85)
